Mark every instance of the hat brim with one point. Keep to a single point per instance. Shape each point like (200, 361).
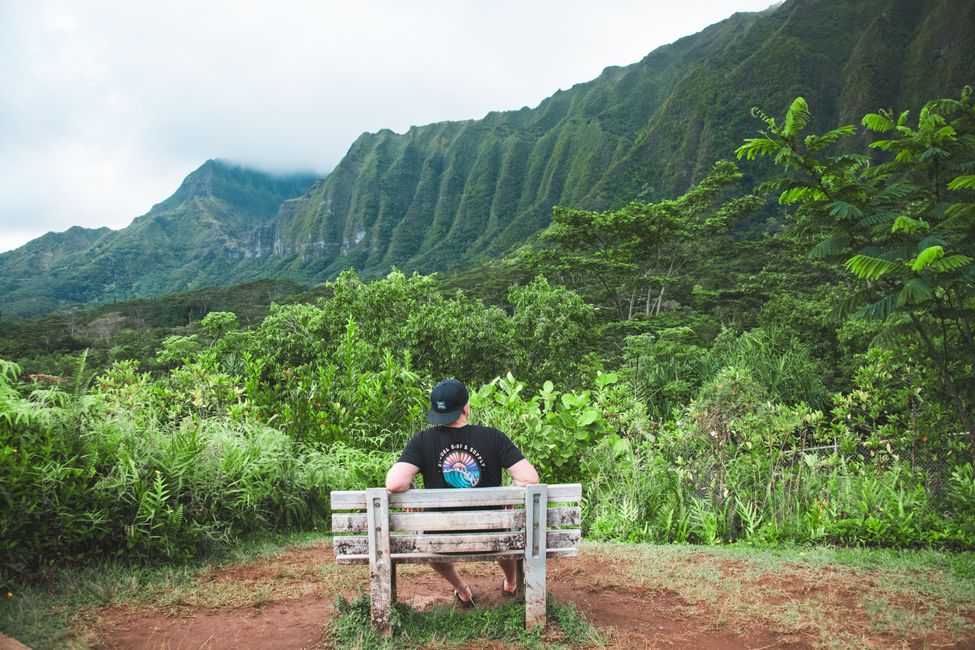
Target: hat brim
(436, 417)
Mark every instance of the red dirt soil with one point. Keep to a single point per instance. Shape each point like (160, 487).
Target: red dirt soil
(626, 614)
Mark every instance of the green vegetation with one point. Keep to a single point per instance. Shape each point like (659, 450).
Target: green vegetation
(684, 427)
(791, 365)
(446, 626)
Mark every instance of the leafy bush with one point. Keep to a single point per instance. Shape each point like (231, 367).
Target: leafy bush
(553, 430)
(92, 472)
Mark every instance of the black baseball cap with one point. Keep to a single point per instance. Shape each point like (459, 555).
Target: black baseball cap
(447, 400)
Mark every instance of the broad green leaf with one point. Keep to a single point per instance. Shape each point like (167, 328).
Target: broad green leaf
(606, 378)
(588, 417)
(927, 256)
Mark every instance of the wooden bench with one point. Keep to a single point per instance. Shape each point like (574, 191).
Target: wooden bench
(398, 528)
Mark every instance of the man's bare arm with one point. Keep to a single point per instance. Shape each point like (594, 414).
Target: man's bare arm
(399, 478)
(523, 473)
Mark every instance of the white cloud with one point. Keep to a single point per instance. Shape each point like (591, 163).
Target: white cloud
(107, 105)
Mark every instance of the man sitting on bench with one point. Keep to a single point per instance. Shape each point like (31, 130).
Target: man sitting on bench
(455, 454)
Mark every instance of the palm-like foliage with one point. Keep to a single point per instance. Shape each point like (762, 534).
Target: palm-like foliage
(904, 226)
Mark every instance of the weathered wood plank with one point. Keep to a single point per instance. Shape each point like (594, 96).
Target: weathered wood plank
(426, 558)
(499, 496)
(380, 562)
(457, 542)
(457, 520)
(536, 502)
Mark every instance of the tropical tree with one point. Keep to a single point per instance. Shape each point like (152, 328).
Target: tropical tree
(629, 259)
(901, 221)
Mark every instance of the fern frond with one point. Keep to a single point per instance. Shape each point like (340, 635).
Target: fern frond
(815, 143)
(884, 145)
(796, 118)
(889, 335)
(931, 240)
(880, 309)
(933, 151)
(900, 254)
(757, 148)
(844, 210)
(774, 185)
(962, 183)
(916, 290)
(871, 268)
(904, 156)
(950, 263)
(849, 304)
(876, 218)
(880, 122)
(962, 167)
(897, 191)
(802, 193)
(959, 216)
(831, 246)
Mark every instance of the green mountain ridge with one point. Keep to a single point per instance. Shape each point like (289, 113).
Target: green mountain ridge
(450, 195)
(195, 238)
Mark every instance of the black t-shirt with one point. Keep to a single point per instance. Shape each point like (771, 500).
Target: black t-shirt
(468, 456)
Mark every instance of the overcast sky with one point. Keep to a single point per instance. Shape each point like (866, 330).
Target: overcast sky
(105, 106)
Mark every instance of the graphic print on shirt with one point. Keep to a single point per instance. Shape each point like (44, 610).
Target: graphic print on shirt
(460, 466)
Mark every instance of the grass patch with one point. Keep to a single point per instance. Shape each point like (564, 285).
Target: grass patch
(447, 626)
(54, 610)
(904, 596)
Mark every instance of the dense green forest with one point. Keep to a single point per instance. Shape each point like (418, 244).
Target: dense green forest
(814, 384)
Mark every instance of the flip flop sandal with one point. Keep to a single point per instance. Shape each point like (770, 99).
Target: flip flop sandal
(506, 593)
(465, 604)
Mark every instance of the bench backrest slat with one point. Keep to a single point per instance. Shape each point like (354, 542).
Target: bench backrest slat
(442, 498)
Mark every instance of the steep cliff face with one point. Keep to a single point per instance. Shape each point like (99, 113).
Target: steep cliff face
(443, 196)
(196, 237)
(446, 196)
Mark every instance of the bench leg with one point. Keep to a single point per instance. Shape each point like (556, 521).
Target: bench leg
(392, 583)
(536, 505)
(520, 577)
(381, 568)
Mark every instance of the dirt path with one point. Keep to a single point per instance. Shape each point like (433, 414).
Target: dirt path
(287, 602)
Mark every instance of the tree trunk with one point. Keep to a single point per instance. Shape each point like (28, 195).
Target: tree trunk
(960, 408)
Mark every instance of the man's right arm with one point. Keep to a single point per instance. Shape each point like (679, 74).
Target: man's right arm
(399, 478)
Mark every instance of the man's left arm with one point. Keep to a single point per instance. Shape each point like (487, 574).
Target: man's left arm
(399, 478)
